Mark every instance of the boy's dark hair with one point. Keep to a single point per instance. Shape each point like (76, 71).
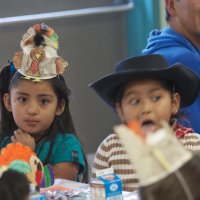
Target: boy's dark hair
(14, 186)
(62, 123)
(171, 188)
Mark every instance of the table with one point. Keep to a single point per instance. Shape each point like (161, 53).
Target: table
(79, 190)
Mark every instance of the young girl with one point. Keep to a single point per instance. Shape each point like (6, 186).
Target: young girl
(146, 89)
(35, 104)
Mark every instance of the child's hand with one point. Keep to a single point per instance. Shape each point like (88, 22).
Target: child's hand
(24, 138)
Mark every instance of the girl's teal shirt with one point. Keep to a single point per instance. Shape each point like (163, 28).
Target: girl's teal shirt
(66, 148)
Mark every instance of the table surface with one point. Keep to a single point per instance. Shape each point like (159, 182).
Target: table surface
(72, 185)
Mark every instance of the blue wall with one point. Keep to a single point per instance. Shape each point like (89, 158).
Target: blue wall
(141, 19)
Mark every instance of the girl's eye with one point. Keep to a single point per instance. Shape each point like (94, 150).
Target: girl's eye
(22, 99)
(135, 101)
(44, 101)
(156, 98)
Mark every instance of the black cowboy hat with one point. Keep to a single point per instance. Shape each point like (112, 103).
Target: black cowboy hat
(186, 82)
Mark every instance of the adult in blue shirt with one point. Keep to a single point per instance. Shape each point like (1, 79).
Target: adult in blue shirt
(180, 42)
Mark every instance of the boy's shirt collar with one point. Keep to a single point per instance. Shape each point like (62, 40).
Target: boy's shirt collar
(180, 130)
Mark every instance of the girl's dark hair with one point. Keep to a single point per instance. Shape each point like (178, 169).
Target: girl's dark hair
(62, 123)
(14, 186)
(7, 124)
(171, 188)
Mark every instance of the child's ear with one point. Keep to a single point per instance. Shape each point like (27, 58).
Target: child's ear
(60, 107)
(176, 101)
(119, 111)
(7, 103)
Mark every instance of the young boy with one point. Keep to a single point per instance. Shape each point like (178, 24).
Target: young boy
(146, 89)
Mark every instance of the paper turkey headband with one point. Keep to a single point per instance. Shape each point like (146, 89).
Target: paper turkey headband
(155, 155)
(38, 58)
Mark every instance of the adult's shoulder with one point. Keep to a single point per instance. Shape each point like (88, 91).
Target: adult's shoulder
(174, 46)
